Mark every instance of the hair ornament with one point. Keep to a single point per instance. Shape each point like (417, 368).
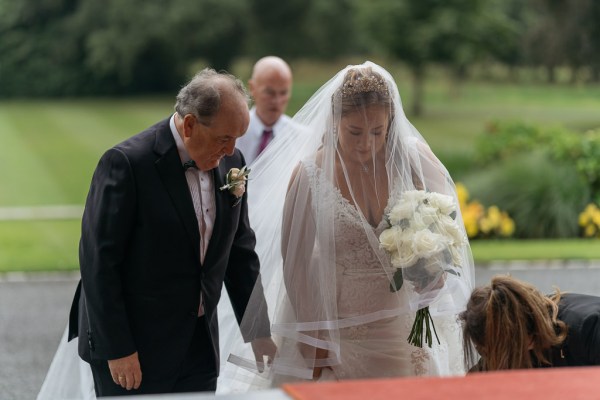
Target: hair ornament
(364, 84)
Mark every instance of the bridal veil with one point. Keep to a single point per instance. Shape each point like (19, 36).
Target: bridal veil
(318, 208)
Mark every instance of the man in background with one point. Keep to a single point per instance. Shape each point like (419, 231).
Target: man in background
(271, 88)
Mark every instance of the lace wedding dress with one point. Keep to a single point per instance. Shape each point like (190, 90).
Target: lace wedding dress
(379, 348)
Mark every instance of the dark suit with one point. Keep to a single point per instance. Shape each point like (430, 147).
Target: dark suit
(139, 254)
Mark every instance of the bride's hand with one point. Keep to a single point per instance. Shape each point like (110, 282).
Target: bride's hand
(126, 371)
(309, 352)
(262, 347)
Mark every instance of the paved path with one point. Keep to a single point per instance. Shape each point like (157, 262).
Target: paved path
(33, 316)
(570, 276)
(34, 311)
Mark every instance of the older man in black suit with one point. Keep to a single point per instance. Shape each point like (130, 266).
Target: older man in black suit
(160, 236)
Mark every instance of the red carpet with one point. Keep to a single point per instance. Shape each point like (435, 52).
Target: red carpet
(546, 384)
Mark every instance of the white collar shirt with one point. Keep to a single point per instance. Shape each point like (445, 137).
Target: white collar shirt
(250, 141)
(201, 187)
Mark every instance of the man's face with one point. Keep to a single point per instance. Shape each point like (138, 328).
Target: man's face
(208, 144)
(271, 92)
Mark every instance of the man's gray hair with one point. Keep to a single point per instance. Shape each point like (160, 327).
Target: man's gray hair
(201, 96)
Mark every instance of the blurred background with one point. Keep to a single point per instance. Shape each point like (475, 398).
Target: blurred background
(507, 93)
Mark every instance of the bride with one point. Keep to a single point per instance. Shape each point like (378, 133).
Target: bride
(340, 307)
(320, 200)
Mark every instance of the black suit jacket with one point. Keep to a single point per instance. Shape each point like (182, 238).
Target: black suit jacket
(141, 275)
(581, 313)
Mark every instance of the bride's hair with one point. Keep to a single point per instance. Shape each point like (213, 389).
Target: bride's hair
(362, 87)
(507, 319)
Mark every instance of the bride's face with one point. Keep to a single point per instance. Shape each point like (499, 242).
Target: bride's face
(362, 133)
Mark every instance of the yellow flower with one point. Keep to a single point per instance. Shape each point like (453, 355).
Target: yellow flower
(584, 219)
(494, 216)
(472, 229)
(485, 224)
(589, 231)
(507, 225)
(462, 194)
(596, 217)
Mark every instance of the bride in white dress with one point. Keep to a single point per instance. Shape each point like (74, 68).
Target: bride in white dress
(319, 199)
(338, 309)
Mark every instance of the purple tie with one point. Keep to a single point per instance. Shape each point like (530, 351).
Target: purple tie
(267, 135)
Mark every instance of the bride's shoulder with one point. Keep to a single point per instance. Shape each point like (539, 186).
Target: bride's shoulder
(306, 169)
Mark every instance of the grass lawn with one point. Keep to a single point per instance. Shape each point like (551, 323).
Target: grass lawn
(52, 246)
(566, 249)
(39, 245)
(49, 149)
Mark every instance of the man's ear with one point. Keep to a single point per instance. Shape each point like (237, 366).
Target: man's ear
(189, 121)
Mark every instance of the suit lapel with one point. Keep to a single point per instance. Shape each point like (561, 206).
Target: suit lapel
(171, 172)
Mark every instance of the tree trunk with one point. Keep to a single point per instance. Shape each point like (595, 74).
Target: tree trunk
(418, 72)
(459, 75)
(551, 70)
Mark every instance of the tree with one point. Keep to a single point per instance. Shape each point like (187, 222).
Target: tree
(421, 32)
(278, 27)
(81, 47)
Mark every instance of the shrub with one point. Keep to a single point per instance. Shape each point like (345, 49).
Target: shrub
(582, 150)
(503, 139)
(544, 198)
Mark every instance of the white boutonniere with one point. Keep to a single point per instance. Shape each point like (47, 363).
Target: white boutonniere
(235, 182)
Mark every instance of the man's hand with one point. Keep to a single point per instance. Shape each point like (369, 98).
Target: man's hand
(263, 347)
(126, 371)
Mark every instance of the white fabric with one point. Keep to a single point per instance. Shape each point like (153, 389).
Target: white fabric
(69, 377)
(328, 285)
(250, 141)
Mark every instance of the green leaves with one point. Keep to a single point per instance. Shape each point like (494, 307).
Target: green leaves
(398, 281)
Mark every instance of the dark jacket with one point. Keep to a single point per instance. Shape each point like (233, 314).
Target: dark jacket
(581, 313)
(139, 254)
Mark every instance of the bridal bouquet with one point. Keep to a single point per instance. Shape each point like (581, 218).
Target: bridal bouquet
(424, 242)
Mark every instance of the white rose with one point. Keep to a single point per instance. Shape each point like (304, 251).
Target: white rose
(389, 238)
(402, 210)
(427, 243)
(404, 257)
(456, 235)
(456, 258)
(443, 202)
(414, 196)
(417, 223)
(429, 214)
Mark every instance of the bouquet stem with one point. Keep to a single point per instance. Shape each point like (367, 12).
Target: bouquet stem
(416, 333)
